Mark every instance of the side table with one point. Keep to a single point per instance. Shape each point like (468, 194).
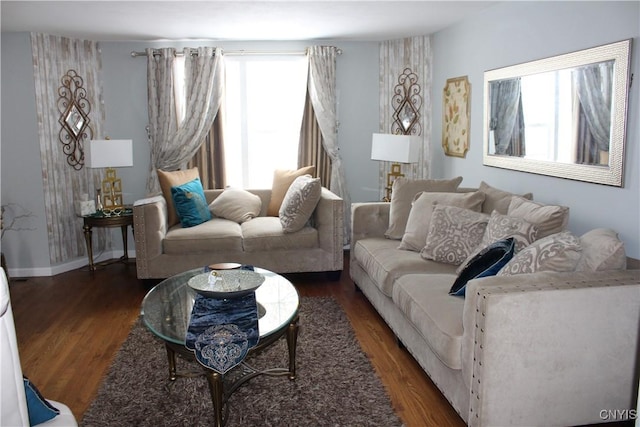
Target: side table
(97, 219)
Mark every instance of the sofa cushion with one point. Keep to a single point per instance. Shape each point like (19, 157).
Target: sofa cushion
(498, 200)
(171, 179)
(190, 203)
(487, 262)
(558, 252)
(384, 262)
(215, 235)
(282, 179)
(425, 300)
(265, 233)
(453, 234)
(415, 233)
(550, 219)
(404, 191)
(299, 203)
(237, 205)
(602, 250)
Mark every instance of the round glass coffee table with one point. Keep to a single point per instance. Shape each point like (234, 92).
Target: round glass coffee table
(166, 312)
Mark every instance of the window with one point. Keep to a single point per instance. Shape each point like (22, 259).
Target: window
(264, 104)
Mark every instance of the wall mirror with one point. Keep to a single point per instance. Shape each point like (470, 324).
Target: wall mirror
(563, 116)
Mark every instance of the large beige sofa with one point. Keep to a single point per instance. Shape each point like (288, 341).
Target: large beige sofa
(544, 348)
(163, 250)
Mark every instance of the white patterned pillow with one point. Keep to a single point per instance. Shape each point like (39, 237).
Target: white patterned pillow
(299, 203)
(453, 234)
(558, 252)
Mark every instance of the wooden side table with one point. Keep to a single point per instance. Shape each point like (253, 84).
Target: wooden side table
(98, 220)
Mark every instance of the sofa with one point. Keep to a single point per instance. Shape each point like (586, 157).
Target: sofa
(547, 335)
(163, 250)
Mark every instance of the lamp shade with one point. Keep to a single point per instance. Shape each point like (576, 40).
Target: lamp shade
(109, 153)
(395, 148)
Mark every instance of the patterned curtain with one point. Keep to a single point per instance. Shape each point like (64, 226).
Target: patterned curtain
(173, 144)
(322, 92)
(53, 57)
(506, 108)
(395, 56)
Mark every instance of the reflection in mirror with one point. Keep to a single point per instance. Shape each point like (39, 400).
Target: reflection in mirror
(562, 116)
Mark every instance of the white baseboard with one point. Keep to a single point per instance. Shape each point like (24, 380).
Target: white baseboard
(67, 266)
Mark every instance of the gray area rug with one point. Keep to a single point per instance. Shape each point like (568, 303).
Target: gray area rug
(335, 383)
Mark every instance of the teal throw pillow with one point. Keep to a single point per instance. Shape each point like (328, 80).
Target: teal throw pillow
(191, 205)
(486, 263)
(39, 409)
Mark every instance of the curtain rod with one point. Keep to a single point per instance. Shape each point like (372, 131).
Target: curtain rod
(238, 52)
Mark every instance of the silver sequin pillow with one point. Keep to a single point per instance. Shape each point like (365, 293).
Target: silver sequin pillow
(299, 203)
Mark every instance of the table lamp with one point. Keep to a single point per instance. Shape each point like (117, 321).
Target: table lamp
(397, 149)
(110, 154)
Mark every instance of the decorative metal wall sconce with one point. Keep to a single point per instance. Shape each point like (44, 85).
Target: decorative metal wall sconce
(406, 102)
(74, 118)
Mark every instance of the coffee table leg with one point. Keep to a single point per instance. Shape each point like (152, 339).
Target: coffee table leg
(171, 357)
(216, 388)
(292, 340)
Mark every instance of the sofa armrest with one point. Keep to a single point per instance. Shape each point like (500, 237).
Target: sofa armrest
(149, 228)
(551, 348)
(329, 220)
(370, 219)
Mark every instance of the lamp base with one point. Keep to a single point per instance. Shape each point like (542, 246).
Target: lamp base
(395, 173)
(112, 201)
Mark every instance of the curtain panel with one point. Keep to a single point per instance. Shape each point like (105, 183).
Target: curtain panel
(173, 144)
(322, 92)
(311, 151)
(53, 57)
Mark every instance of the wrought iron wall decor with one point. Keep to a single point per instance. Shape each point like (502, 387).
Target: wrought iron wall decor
(406, 102)
(74, 118)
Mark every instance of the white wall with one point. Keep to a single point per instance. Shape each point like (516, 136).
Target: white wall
(515, 32)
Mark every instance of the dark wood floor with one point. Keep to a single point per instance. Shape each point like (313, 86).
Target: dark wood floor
(70, 326)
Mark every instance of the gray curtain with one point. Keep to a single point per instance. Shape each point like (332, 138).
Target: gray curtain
(310, 149)
(173, 144)
(505, 106)
(322, 92)
(209, 159)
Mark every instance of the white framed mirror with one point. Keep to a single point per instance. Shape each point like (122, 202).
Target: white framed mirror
(562, 116)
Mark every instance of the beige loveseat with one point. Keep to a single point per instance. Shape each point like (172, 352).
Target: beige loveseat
(543, 348)
(162, 250)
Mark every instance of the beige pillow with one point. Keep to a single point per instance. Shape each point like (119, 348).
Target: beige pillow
(602, 250)
(173, 179)
(415, 234)
(498, 200)
(236, 205)
(404, 191)
(557, 252)
(299, 203)
(453, 234)
(282, 179)
(549, 219)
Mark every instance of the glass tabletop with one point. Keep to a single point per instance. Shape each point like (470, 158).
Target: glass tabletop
(166, 309)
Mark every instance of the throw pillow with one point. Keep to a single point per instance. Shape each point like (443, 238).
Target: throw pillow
(172, 179)
(39, 409)
(485, 263)
(415, 233)
(453, 233)
(549, 219)
(299, 203)
(236, 205)
(282, 179)
(498, 200)
(191, 205)
(557, 252)
(404, 191)
(602, 250)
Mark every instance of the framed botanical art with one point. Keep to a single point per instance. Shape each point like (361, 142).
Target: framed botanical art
(456, 116)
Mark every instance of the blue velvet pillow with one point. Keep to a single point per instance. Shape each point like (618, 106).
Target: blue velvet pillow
(486, 263)
(39, 409)
(191, 205)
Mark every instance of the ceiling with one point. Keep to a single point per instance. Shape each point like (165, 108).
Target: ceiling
(348, 20)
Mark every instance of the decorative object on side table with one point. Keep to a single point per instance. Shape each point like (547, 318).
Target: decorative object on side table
(110, 154)
(397, 149)
(456, 116)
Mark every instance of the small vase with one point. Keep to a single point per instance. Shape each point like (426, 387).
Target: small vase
(99, 206)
